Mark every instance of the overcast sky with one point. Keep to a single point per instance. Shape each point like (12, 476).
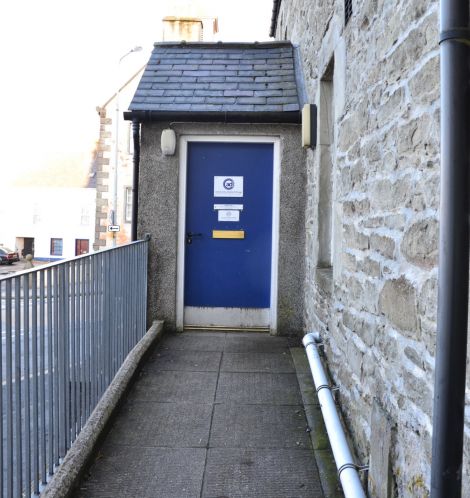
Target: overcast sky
(59, 61)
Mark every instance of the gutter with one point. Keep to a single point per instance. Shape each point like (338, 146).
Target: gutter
(452, 308)
(293, 117)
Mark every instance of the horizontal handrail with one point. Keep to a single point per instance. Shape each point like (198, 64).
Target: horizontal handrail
(75, 258)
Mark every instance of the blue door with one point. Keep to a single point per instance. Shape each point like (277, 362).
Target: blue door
(229, 202)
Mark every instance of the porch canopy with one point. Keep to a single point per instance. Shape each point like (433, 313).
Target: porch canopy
(220, 82)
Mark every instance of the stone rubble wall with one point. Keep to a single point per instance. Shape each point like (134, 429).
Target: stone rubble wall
(376, 306)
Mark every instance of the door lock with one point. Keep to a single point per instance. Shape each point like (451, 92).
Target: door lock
(191, 235)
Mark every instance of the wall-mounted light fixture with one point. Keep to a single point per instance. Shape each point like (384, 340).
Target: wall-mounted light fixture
(309, 125)
(168, 142)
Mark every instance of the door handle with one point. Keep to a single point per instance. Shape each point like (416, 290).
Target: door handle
(191, 235)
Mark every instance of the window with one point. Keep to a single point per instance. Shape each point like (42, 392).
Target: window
(347, 11)
(326, 146)
(36, 214)
(56, 247)
(85, 216)
(129, 140)
(128, 205)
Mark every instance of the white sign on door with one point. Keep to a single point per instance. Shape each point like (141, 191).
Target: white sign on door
(228, 215)
(228, 186)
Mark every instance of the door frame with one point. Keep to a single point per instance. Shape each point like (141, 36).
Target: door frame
(182, 175)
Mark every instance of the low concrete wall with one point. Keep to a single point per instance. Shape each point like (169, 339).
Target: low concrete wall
(83, 448)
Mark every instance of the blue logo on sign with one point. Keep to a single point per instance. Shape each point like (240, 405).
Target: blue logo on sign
(228, 184)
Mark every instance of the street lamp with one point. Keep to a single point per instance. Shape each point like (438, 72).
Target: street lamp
(116, 148)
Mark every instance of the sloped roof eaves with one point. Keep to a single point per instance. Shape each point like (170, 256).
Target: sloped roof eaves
(219, 77)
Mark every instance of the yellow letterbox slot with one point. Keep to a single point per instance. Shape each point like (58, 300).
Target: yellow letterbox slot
(228, 234)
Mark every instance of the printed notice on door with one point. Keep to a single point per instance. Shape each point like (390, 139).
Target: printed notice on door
(228, 186)
(228, 215)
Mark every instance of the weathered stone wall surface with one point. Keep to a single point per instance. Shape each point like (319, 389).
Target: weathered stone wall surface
(376, 304)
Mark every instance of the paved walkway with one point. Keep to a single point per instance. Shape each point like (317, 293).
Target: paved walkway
(212, 415)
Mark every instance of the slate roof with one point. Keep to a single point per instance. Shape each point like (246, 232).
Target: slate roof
(249, 79)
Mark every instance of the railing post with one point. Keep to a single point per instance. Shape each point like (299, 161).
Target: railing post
(18, 424)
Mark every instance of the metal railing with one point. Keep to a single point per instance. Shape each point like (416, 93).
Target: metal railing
(65, 330)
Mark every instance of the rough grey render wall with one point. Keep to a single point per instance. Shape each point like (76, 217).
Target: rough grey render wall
(158, 215)
(377, 309)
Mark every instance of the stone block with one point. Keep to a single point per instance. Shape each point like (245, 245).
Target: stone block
(380, 476)
(371, 267)
(356, 207)
(388, 110)
(397, 301)
(354, 239)
(389, 195)
(424, 86)
(382, 244)
(427, 303)
(349, 262)
(420, 243)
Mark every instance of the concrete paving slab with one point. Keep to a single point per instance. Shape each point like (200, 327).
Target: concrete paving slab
(258, 388)
(242, 473)
(162, 424)
(190, 361)
(236, 394)
(255, 342)
(195, 341)
(328, 474)
(307, 388)
(173, 387)
(300, 360)
(128, 472)
(317, 427)
(257, 362)
(259, 426)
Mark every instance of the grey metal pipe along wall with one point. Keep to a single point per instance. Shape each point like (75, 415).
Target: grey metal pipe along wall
(451, 347)
(135, 178)
(347, 469)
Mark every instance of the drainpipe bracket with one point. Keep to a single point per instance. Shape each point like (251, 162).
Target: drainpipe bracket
(327, 386)
(357, 468)
(460, 34)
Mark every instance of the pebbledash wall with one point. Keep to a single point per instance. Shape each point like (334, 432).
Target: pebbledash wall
(158, 215)
(371, 274)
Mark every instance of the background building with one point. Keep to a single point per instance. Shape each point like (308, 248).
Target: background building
(51, 214)
(174, 28)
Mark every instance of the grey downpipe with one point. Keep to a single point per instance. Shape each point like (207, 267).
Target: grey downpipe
(135, 179)
(452, 309)
(347, 469)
